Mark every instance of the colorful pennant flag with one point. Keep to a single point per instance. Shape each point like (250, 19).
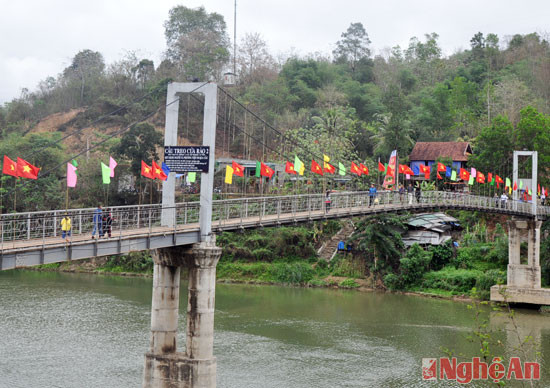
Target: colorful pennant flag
(191, 177)
(112, 165)
(165, 169)
(26, 170)
(508, 183)
(228, 174)
(9, 167)
(473, 172)
(515, 186)
(453, 175)
(71, 175)
(448, 172)
(105, 173)
(480, 178)
(341, 169)
(490, 179)
(471, 180)
(364, 169)
(298, 165)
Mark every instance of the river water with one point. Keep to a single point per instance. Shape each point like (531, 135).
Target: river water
(75, 330)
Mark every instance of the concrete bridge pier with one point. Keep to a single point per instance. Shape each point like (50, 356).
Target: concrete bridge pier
(523, 280)
(165, 367)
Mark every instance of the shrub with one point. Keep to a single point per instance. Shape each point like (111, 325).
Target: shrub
(414, 265)
(348, 283)
(263, 254)
(317, 283)
(451, 279)
(297, 273)
(393, 282)
(441, 255)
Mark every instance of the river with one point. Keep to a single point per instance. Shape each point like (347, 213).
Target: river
(78, 330)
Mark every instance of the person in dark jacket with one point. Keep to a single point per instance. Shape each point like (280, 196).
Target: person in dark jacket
(107, 223)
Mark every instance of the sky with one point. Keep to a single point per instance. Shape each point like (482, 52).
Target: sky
(38, 38)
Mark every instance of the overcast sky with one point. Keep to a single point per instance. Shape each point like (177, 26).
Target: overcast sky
(38, 38)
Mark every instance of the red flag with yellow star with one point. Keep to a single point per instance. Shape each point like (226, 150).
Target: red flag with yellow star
(26, 170)
(355, 169)
(329, 168)
(9, 167)
(265, 170)
(158, 173)
(237, 169)
(146, 170)
(364, 169)
(316, 168)
(289, 169)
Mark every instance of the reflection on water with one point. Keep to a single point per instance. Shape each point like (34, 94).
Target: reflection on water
(67, 330)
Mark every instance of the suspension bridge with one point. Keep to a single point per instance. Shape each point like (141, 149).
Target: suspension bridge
(34, 238)
(183, 234)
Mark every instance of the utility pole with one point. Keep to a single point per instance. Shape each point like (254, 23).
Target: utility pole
(235, 39)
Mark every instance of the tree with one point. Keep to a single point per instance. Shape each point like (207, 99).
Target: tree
(86, 66)
(494, 145)
(137, 144)
(197, 42)
(380, 237)
(353, 47)
(255, 62)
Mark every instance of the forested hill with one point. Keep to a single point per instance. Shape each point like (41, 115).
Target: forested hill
(353, 101)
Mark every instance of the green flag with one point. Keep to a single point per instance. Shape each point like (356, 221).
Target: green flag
(191, 177)
(259, 169)
(453, 175)
(297, 164)
(471, 181)
(520, 185)
(508, 183)
(492, 181)
(74, 163)
(341, 169)
(105, 173)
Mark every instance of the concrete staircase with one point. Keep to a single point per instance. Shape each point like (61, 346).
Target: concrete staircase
(329, 249)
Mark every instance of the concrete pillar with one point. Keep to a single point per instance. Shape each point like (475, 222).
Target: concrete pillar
(514, 242)
(200, 301)
(164, 366)
(165, 309)
(521, 275)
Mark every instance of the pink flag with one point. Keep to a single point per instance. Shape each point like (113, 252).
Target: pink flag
(407, 176)
(112, 165)
(71, 175)
(473, 173)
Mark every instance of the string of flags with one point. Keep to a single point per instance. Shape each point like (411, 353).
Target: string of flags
(23, 169)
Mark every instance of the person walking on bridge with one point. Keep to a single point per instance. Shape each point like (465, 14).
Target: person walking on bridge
(98, 224)
(66, 227)
(372, 194)
(327, 201)
(410, 193)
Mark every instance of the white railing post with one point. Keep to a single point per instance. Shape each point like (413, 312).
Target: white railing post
(28, 226)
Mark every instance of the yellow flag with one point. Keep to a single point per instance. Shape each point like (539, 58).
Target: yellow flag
(326, 158)
(302, 170)
(228, 175)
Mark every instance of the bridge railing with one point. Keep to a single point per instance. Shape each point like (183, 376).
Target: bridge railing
(143, 218)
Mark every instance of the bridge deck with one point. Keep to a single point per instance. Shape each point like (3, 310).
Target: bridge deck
(129, 234)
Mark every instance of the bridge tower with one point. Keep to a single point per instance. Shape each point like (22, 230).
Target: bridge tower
(523, 274)
(165, 367)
